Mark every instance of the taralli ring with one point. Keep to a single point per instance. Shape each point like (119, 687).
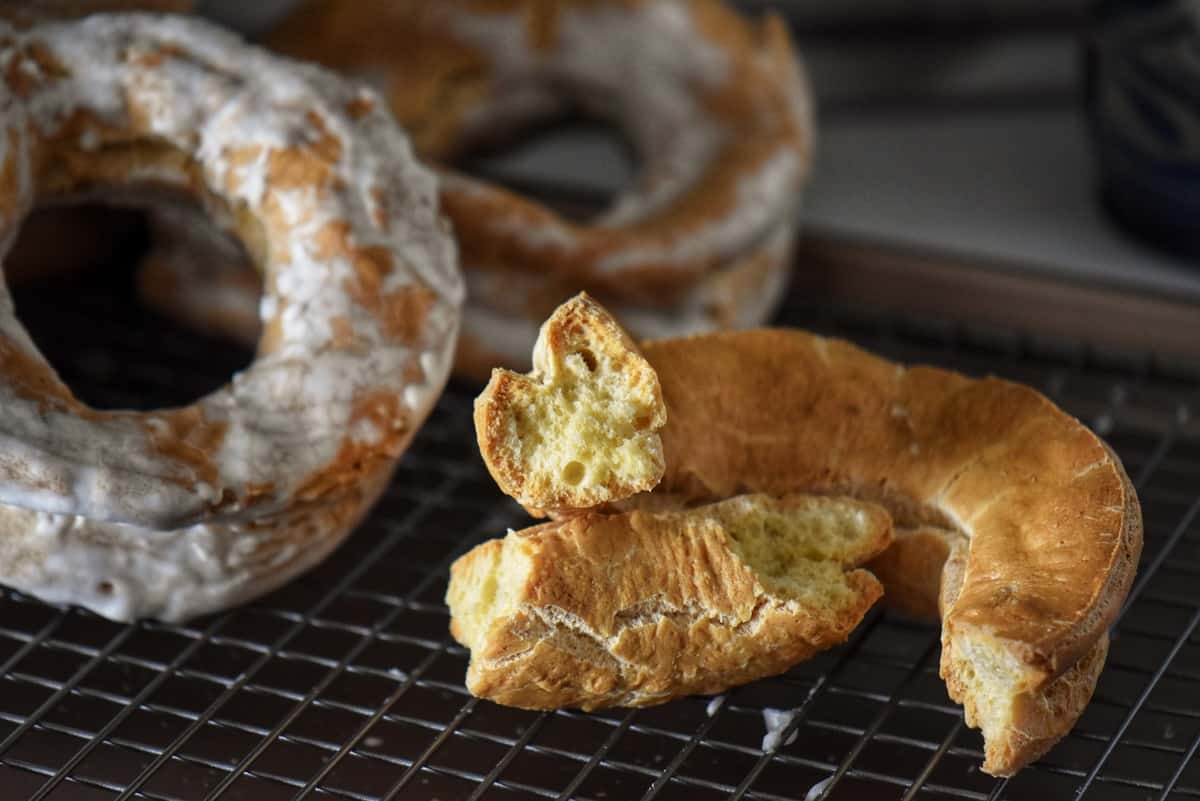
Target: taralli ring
(715, 108)
(361, 307)
(1012, 520)
(1024, 519)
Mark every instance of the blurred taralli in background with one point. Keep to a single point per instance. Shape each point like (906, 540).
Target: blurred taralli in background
(716, 108)
(1144, 115)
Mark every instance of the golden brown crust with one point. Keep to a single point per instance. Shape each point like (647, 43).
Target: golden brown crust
(1053, 524)
(581, 349)
(997, 458)
(911, 570)
(1038, 717)
(636, 609)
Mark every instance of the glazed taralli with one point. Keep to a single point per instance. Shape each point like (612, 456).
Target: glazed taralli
(639, 608)
(716, 107)
(1034, 515)
(177, 512)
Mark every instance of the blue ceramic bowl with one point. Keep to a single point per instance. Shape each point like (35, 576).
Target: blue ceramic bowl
(1143, 104)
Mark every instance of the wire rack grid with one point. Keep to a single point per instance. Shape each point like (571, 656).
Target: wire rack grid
(345, 684)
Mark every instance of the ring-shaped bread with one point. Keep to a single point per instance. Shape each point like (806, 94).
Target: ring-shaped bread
(715, 107)
(361, 306)
(1025, 517)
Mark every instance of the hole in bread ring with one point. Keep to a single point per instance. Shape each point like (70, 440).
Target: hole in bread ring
(362, 290)
(71, 274)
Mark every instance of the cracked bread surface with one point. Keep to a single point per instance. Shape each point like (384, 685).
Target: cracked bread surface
(581, 429)
(1016, 519)
(638, 608)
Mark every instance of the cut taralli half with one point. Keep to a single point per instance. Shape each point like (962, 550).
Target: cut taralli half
(582, 428)
(639, 608)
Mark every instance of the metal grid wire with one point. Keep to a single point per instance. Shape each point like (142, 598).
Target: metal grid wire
(346, 685)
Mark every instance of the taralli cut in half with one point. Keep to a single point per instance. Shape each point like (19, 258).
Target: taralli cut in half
(639, 608)
(581, 429)
(715, 107)
(176, 512)
(1016, 517)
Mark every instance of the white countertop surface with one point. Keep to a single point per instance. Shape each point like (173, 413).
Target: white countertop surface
(1017, 187)
(1010, 186)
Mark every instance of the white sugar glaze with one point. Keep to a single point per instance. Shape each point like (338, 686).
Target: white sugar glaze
(132, 502)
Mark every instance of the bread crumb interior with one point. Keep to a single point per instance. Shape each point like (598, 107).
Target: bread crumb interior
(488, 591)
(585, 426)
(801, 551)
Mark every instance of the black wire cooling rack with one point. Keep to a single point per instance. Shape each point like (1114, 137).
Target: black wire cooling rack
(346, 685)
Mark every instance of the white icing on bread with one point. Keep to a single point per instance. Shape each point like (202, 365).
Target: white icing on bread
(361, 276)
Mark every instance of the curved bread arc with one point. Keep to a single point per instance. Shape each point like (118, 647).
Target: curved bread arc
(1051, 521)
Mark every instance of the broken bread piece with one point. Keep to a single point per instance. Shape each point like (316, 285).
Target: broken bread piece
(582, 428)
(636, 609)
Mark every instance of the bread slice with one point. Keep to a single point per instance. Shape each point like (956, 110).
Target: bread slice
(636, 609)
(582, 428)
